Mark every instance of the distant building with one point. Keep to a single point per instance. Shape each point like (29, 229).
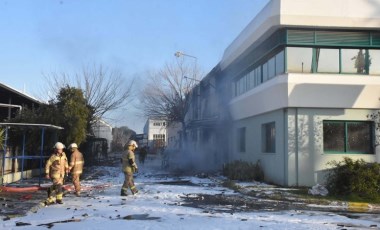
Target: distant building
(102, 129)
(156, 132)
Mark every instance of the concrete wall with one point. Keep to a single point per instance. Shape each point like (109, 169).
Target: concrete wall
(13, 177)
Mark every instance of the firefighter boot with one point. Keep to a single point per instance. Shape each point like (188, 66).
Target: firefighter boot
(134, 190)
(49, 201)
(123, 192)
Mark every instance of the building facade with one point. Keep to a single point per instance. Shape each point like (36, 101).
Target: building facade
(305, 80)
(295, 90)
(155, 130)
(102, 129)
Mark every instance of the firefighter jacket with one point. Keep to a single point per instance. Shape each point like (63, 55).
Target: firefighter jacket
(128, 161)
(57, 166)
(76, 162)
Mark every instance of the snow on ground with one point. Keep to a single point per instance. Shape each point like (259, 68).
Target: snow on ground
(159, 205)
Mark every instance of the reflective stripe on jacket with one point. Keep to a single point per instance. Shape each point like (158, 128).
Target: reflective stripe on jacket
(76, 162)
(57, 166)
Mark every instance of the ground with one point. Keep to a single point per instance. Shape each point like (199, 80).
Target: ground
(179, 201)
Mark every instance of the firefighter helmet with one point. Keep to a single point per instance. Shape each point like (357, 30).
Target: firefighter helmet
(59, 145)
(73, 145)
(133, 143)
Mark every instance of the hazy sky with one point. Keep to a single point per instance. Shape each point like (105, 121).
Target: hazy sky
(131, 36)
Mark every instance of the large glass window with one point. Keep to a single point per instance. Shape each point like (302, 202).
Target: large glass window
(271, 67)
(374, 62)
(241, 139)
(265, 72)
(269, 137)
(280, 63)
(353, 61)
(327, 60)
(348, 137)
(250, 80)
(299, 60)
(258, 76)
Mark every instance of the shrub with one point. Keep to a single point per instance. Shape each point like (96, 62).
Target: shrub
(243, 171)
(354, 178)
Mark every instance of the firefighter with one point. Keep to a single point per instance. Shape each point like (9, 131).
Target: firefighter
(76, 166)
(129, 167)
(142, 155)
(56, 168)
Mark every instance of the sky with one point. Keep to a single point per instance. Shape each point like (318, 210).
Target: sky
(160, 205)
(41, 37)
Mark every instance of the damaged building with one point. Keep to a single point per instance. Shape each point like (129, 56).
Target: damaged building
(295, 90)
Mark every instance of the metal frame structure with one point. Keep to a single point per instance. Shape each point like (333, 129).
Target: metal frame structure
(43, 127)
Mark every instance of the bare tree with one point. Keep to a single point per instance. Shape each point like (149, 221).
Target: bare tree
(104, 90)
(166, 94)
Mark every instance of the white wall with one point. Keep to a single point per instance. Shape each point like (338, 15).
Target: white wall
(299, 159)
(308, 90)
(306, 159)
(273, 164)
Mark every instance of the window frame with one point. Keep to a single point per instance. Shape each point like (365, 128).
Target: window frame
(241, 136)
(346, 149)
(268, 145)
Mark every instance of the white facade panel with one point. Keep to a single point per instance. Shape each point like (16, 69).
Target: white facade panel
(273, 164)
(309, 91)
(307, 162)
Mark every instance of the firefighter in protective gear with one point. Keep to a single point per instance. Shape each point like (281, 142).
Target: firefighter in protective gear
(76, 166)
(56, 168)
(129, 167)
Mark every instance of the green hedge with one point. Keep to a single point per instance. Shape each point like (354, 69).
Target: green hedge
(354, 178)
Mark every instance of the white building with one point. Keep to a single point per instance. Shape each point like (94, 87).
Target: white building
(103, 130)
(155, 130)
(305, 78)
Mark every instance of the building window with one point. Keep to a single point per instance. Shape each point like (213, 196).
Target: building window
(354, 61)
(280, 62)
(374, 62)
(241, 139)
(327, 60)
(269, 137)
(299, 60)
(159, 140)
(265, 72)
(348, 137)
(272, 67)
